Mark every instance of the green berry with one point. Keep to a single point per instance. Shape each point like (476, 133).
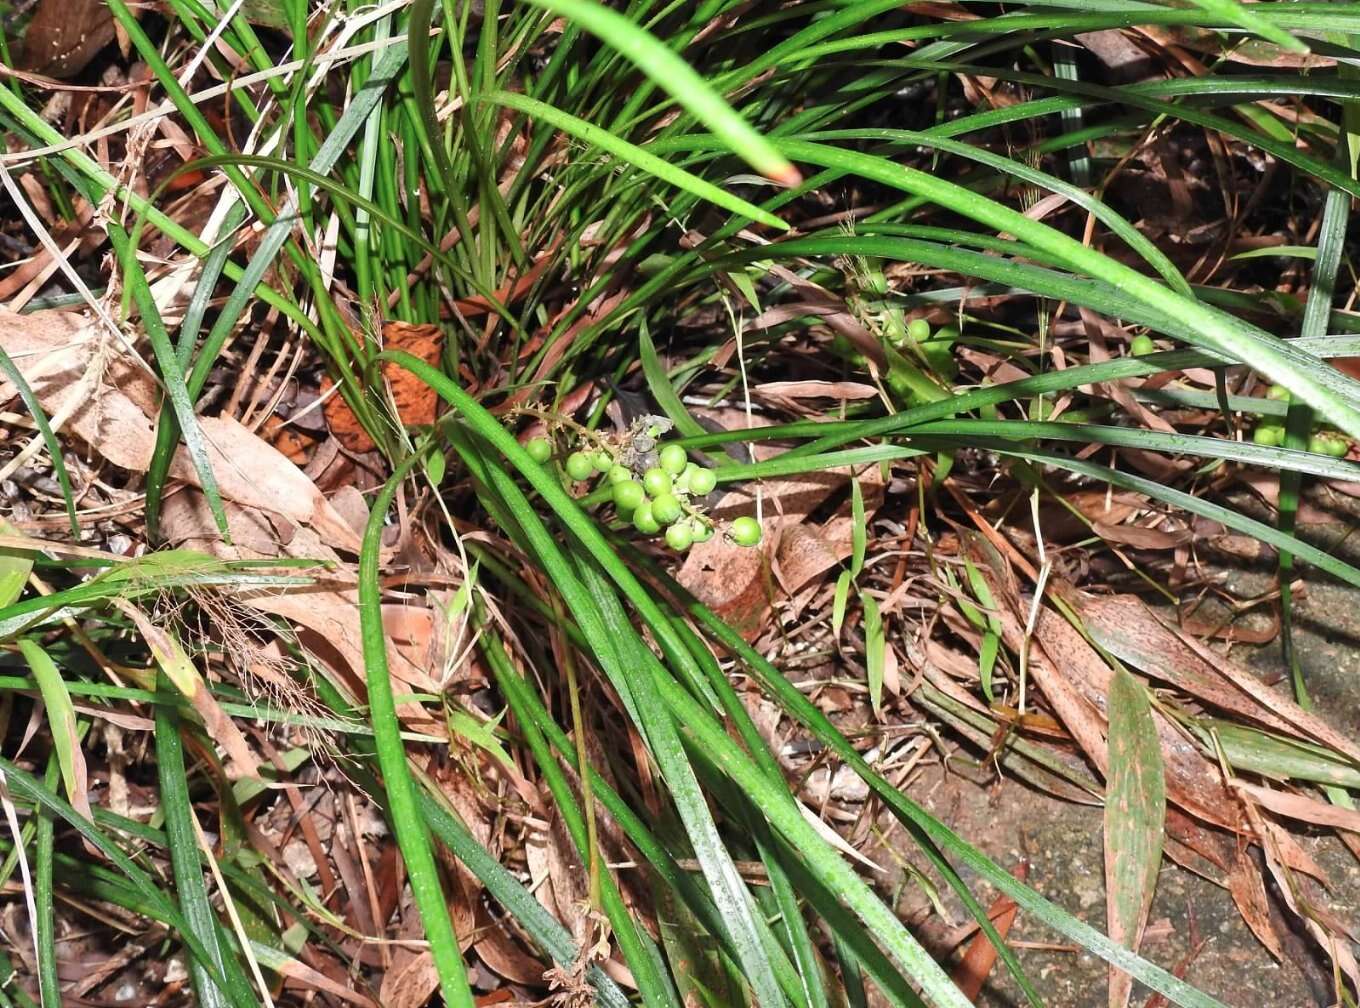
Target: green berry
(745, 531)
(643, 519)
(1278, 393)
(620, 474)
(1329, 442)
(579, 466)
(539, 449)
(1268, 434)
(628, 495)
(1142, 345)
(918, 330)
(656, 482)
(702, 482)
(679, 537)
(674, 459)
(701, 530)
(602, 461)
(666, 508)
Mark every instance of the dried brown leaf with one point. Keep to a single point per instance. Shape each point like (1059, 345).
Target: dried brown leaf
(506, 957)
(327, 613)
(220, 728)
(1301, 807)
(1131, 631)
(736, 582)
(1248, 893)
(411, 981)
(839, 390)
(415, 401)
(109, 399)
(1075, 680)
(64, 35)
(979, 957)
(304, 976)
(1140, 537)
(1125, 627)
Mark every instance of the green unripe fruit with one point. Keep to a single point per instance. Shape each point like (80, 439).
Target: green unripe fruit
(579, 466)
(1328, 442)
(702, 482)
(745, 531)
(644, 521)
(674, 459)
(1142, 345)
(602, 461)
(918, 330)
(539, 449)
(666, 508)
(628, 495)
(656, 482)
(1278, 393)
(679, 537)
(1269, 434)
(700, 529)
(620, 474)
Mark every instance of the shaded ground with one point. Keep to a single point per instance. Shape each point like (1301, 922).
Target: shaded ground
(1061, 843)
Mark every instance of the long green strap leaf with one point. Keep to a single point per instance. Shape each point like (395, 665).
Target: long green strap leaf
(182, 840)
(636, 156)
(40, 421)
(657, 684)
(26, 786)
(677, 78)
(1333, 394)
(412, 834)
(917, 818)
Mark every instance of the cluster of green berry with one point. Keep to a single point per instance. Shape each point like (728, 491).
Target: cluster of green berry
(655, 490)
(1269, 431)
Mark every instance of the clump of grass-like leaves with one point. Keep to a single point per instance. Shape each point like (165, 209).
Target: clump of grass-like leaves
(681, 202)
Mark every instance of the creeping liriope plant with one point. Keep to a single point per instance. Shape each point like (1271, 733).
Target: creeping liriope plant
(1324, 439)
(652, 484)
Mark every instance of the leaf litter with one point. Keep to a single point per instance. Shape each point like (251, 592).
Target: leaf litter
(1114, 695)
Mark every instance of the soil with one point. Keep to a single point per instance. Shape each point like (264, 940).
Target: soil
(1060, 843)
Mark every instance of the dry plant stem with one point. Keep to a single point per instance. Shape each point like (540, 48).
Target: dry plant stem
(12, 821)
(233, 916)
(166, 108)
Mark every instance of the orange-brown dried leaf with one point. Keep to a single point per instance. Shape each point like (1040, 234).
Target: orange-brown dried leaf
(417, 403)
(980, 956)
(295, 445)
(1248, 892)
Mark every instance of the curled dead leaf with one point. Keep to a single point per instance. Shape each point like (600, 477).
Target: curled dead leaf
(107, 399)
(416, 403)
